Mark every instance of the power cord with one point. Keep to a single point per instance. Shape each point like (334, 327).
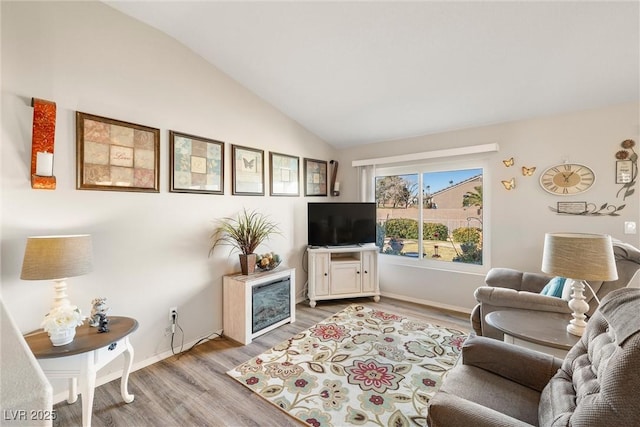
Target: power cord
(174, 324)
(208, 337)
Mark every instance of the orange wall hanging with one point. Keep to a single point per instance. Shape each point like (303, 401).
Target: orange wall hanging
(42, 141)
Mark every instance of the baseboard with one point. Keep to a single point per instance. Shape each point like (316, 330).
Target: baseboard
(427, 302)
(100, 380)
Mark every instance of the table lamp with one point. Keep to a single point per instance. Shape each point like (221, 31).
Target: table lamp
(581, 257)
(57, 258)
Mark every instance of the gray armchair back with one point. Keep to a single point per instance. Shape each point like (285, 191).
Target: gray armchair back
(597, 384)
(506, 288)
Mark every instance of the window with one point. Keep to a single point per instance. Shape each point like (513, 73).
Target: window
(435, 216)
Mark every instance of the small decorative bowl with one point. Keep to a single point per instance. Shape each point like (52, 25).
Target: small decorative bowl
(267, 262)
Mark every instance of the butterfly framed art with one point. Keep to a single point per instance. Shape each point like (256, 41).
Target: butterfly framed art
(284, 171)
(196, 164)
(315, 177)
(247, 171)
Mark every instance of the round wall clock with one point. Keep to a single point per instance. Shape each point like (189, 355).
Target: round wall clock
(567, 179)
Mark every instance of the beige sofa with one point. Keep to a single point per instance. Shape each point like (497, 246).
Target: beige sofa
(507, 288)
(597, 384)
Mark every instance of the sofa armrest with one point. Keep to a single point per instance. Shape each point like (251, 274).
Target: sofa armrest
(528, 367)
(450, 410)
(509, 298)
(515, 279)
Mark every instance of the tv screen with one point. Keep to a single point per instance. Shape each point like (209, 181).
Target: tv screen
(340, 224)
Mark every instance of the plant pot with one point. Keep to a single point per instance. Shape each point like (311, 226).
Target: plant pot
(60, 337)
(247, 263)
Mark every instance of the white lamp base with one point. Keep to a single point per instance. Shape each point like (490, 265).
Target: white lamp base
(60, 298)
(579, 306)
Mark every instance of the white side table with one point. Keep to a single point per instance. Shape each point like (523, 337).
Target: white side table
(84, 356)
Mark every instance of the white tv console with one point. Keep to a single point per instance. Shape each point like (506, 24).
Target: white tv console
(343, 272)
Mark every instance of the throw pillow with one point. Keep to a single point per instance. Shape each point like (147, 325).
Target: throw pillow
(554, 287)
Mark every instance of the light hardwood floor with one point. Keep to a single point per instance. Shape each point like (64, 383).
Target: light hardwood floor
(193, 389)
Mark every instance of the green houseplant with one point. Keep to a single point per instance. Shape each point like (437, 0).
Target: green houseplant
(244, 233)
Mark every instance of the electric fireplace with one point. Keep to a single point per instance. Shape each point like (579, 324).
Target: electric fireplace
(257, 303)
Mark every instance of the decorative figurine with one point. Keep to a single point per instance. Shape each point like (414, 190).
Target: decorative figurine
(99, 314)
(103, 323)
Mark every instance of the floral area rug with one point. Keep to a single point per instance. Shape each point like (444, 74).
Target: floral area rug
(359, 367)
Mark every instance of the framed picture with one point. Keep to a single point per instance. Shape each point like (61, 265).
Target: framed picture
(285, 175)
(115, 155)
(624, 171)
(247, 171)
(573, 208)
(196, 164)
(315, 177)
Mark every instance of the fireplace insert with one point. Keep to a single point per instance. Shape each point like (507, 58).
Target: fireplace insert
(271, 303)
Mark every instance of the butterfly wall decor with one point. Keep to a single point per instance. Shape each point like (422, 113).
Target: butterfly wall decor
(249, 164)
(509, 162)
(509, 185)
(528, 171)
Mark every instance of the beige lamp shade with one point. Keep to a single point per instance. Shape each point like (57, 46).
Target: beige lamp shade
(579, 256)
(57, 257)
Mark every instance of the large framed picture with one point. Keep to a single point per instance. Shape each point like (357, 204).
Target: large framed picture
(196, 164)
(116, 155)
(247, 171)
(284, 171)
(315, 177)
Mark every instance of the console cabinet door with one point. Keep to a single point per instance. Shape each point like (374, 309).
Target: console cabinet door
(369, 271)
(345, 278)
(321, 273)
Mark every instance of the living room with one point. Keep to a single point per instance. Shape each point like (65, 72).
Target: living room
(151, 249)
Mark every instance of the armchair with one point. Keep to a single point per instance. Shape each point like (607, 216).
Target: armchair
(506, 288)
(500, 384)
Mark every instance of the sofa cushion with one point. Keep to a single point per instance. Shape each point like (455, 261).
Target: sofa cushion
(488, 390)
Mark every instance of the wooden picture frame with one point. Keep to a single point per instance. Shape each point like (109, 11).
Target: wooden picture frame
(315, 177)
(624, 171)
(247, 171)
(196, 164)
(572, 208)
(115, 155)
(284, 171)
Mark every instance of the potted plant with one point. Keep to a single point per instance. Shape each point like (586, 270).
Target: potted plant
(244, 233)
(61, 322)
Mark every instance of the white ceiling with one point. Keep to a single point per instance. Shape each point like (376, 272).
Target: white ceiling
(361, 72)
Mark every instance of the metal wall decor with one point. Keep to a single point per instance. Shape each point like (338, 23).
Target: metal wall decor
(625, 174)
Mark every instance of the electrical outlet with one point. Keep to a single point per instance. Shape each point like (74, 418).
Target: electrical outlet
(173, 315)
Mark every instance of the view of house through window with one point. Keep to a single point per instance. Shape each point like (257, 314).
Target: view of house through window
(431, 215)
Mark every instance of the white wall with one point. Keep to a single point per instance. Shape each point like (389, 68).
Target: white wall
(518, 218)
(150, 250)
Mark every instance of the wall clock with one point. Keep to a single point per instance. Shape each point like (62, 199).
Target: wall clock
(567, 179)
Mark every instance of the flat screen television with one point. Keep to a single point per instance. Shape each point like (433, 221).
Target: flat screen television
(341, 224)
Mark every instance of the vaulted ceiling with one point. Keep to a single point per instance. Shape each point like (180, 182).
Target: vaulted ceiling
(360, 72)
